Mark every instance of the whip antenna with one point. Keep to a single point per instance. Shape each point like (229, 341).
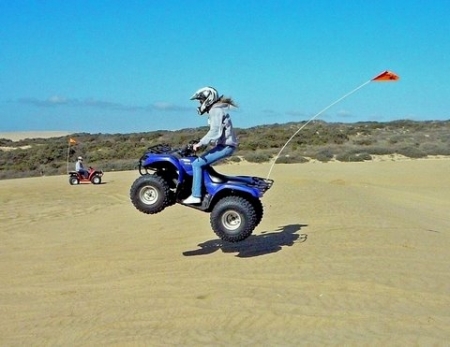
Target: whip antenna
(384, 76)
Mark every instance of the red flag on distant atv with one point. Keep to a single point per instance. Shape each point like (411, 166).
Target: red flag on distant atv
(72, 141)
(386, 76)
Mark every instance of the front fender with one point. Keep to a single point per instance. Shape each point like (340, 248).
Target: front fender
(164, 162)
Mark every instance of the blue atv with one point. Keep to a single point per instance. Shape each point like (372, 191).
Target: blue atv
(166, 178)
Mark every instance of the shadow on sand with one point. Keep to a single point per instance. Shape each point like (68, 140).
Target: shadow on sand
(255, 245)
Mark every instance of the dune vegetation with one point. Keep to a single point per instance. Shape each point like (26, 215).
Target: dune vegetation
(320, 141)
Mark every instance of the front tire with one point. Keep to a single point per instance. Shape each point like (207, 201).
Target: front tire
(169, 178)
(150, 194)
(233, 218)
(96, 180)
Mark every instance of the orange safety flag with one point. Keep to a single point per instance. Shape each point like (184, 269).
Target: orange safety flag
(386, 76)
(72, 141)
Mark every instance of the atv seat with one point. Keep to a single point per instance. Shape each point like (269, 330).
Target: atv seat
(257, 182)
(217, 177)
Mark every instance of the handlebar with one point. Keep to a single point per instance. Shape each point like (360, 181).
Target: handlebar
(164, 148)
(188, 150)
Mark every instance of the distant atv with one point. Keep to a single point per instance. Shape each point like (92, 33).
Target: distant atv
(166, 178)
(94, 177)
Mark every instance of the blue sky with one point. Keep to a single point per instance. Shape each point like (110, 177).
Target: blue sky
(131, 66)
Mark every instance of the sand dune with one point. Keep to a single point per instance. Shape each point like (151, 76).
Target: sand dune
(353, 254)
(17, 136)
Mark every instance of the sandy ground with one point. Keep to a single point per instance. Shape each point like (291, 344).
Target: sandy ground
(347, 254)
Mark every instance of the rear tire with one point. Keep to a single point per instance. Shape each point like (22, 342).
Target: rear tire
(73, 180)
(233, 218)
(150, 194)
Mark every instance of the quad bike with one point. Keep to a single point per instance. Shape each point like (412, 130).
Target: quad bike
(166, 178)
(94, 177)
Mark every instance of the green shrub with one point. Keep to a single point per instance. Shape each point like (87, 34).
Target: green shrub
(257, 157)
(412, 152)
(380, 150)
(364, 142)
(353, 157)
(435, 148)
(324, 155)
(291, 159)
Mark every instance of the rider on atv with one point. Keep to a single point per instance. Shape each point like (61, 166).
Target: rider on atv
(221, 134)
(79, 167)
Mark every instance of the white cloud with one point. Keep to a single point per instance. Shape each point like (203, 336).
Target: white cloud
(167, 106)
(344, 114)
(56, 100)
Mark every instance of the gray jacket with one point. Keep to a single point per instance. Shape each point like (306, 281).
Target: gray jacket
(221, 130)
(79, 166)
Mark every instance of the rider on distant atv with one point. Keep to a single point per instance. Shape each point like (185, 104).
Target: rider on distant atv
(79, 167)
(221, 133)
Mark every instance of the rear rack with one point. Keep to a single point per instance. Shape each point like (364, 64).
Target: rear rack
(162, 148)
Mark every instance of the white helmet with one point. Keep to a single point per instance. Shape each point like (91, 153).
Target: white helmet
(207, 96)
(80, 158)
